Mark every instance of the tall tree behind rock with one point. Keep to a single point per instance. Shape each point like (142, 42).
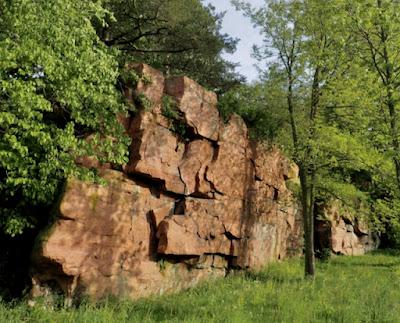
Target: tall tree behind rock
(305, 46)
(176, 36)
(377, 24)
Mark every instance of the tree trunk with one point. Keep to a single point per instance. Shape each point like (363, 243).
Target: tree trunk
(388, 81)
(307, 202)
(394, 133)
(307, 189)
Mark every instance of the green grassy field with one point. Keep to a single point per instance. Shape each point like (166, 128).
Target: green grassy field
(346, 289)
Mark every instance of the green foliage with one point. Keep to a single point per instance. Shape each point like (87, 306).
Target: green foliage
(177, 124)
(144, 102)
(146, 79)
(260, 107)
(180, 128)
(335, 72)
(295, 188)
(169, 108)
(162, 264)
(325, 254)
(387, 221)
(57, 85)
(346, 289)
(129, 77)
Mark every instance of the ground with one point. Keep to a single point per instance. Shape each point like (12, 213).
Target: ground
(346, 289)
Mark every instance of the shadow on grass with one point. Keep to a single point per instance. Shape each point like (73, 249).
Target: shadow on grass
(369, 265)
(389, 258)
(385, 252)
(276, 277)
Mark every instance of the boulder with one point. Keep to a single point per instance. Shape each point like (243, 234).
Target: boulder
(149, 86)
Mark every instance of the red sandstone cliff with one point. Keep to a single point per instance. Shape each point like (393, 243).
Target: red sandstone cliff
(187, 207)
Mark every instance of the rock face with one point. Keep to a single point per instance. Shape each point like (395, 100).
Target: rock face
(188, 206)
(183, 210)
(198, 106)
(104, 242)
(338, 230)
(155, 153)
(273, 227)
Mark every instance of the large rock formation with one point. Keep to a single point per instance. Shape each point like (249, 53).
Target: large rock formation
(196, 199)
(185, 208)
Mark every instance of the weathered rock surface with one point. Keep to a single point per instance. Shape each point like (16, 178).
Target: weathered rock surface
(273, 227)
(205, 227)
(198, 156)
(230, 173)
(150, 84)
(155, 152)
(339, 231)
(104, 242)
(198, 106)
(184, 209)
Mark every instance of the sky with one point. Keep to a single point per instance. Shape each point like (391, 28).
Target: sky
(238, 26)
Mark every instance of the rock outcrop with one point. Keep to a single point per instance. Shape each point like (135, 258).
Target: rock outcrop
(338, 230)
(196, 199)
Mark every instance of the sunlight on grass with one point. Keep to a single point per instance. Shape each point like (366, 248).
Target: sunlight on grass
(346, 289)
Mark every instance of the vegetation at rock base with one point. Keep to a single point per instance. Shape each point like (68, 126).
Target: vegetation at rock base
(346, 289)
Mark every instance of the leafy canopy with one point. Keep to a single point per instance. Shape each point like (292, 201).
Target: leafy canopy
(176, 36)
(57, 86)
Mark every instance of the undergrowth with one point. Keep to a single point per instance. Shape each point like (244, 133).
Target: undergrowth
(346, 289)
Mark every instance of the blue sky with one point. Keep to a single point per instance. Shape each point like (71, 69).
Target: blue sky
(238, 26)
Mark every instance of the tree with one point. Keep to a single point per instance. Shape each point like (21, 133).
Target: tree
(57, 86)
(176, 36)
(305, 42)
(377, 24)
(260, 106)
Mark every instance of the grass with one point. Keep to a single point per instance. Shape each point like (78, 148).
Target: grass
(346, 289)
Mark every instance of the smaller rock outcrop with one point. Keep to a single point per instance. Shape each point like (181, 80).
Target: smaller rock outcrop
(338, 230)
